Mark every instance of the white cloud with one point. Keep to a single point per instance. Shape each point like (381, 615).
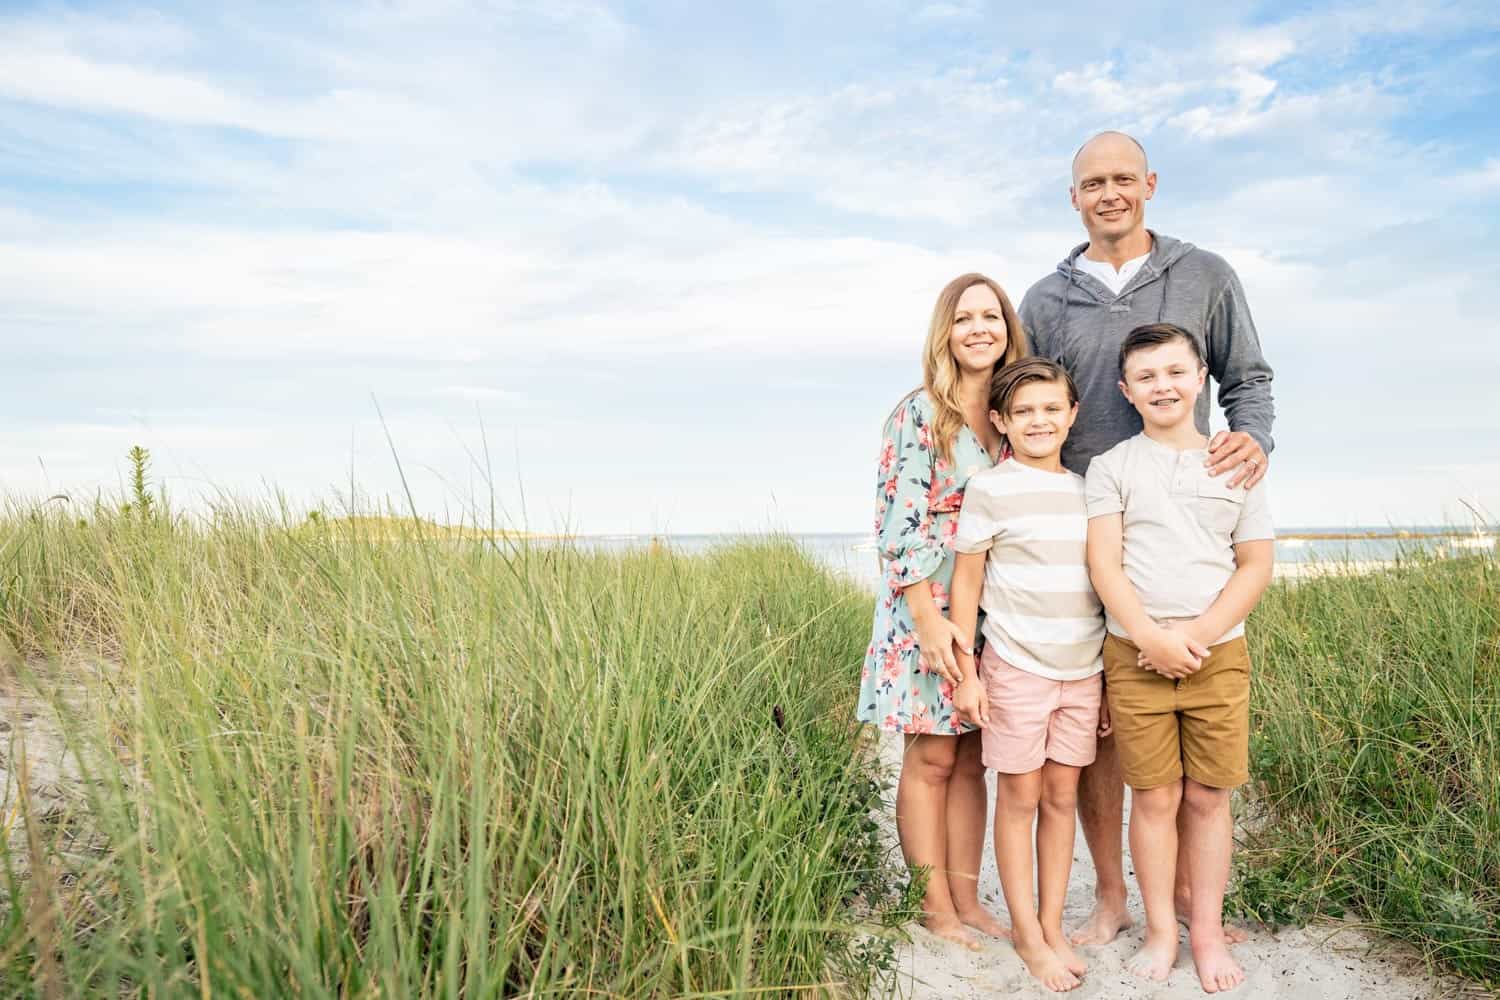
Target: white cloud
(951, 11)
(451, 192)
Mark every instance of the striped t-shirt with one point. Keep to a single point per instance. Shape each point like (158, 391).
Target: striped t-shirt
(1041, 612)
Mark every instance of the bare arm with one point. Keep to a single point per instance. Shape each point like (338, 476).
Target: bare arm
(1175, 655)
(1254, 563)
(1107, 571)
(968, 581)
(937, 637)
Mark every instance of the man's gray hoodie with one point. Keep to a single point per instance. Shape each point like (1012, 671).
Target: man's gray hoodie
(1076, 321)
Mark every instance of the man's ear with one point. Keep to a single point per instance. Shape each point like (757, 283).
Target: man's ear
(1123, 391)
(997, 420)
(1150, 184)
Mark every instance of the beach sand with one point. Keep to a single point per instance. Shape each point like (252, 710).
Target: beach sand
(1327, 961)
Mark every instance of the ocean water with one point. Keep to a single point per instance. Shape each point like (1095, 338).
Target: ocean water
(854, 555)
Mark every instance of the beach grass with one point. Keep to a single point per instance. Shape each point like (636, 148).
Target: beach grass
(324, 760)
(1375, 755)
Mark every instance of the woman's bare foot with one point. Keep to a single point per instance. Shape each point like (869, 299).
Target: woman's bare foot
(948, 927)
(1155, 959)
(1217, 969)
(1060, 947)
(1046, 966)
(1104, 924)
(984, 922)
(1233, 933)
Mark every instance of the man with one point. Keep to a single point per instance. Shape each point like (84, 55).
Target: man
(1123, 277)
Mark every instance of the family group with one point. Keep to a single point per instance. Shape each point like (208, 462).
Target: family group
(1069, 559)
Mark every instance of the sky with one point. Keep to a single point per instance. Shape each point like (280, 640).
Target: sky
(666, 267)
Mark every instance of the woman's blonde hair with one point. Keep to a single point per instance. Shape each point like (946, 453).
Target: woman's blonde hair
(940, 371)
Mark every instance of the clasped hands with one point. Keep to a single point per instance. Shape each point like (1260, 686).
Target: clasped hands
(1170, 649)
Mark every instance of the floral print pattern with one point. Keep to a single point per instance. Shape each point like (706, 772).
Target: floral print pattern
(917, 498)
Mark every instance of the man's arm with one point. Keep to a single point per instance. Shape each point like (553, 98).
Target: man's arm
(1236, 362)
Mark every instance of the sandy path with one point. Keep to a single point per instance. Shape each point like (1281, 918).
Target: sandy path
(1319, 963)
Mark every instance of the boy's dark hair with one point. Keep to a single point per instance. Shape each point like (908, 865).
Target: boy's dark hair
(1007, 381)
(1151, 335)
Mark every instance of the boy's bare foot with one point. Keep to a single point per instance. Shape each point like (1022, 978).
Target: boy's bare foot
(1046, 966)
(1060, 947)
(1233, 933)
(1155, 959)
(1217, 969)
(984, 922)
(948, 927)
(1104, 924)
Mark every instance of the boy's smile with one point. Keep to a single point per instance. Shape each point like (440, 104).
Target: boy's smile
(1163, 383)
(1038, 422)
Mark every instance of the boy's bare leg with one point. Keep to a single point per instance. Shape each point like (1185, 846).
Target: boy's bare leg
(1054, 857)
(1153, 846)
(922, 826)
(1016, 799)
(1182, 894)
(967, 798)
(1210, 839)
(1101, 810)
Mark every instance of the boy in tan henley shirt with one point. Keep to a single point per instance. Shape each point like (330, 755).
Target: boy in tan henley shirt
(1179, 558)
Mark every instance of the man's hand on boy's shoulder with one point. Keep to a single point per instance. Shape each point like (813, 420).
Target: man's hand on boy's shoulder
(1240, 452)
(1170, 651)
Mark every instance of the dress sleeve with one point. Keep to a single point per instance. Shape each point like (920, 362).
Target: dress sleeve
(903, 523)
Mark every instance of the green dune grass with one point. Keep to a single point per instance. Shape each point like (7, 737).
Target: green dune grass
(327, 760)
(333, 762)
(1375, 752)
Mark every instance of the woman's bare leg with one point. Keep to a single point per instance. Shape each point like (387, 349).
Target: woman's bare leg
(922, 825)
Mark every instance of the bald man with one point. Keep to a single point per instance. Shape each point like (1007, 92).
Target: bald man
(1127, 276)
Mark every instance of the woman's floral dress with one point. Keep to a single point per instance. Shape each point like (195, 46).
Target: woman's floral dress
(918, 495)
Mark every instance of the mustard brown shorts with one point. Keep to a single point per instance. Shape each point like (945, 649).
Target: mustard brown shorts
(1198, 726)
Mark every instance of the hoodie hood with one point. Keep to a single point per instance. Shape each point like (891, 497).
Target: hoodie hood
(1165, 251)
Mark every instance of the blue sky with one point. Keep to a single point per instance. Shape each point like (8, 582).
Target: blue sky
(671, 263)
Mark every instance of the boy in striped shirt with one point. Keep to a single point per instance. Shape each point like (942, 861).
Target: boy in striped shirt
(1036, 692)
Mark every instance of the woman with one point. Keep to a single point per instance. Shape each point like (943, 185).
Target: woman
(935, 439)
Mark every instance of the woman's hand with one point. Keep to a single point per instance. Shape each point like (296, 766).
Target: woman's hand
(1105, 725)
(936, 639)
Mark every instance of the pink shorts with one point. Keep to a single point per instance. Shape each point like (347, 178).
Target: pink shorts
(1035, 719)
